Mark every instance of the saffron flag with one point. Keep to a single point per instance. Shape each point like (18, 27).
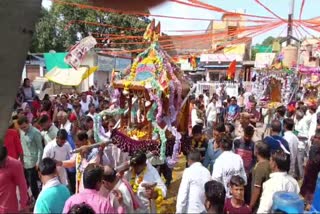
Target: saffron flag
(232, 70)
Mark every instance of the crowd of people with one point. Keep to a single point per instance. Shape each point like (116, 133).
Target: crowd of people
(232, 166)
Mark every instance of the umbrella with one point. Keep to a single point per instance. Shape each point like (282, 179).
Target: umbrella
(70, 76)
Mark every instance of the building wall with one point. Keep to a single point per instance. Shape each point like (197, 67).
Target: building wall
(32, 71)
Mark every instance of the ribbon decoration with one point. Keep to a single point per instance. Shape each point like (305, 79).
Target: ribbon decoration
(126, 144)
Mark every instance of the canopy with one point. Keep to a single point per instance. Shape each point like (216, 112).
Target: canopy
(69, 76)
(55, 60)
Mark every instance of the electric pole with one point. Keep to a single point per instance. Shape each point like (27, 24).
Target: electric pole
(290, 22)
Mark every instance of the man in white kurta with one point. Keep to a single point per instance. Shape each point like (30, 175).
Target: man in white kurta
(59, 150)
(191, 197)
(279, 181)
(142, 170)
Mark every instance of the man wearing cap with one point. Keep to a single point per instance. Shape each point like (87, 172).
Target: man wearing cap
(146, 183)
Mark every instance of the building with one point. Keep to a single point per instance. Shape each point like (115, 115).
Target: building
(309, 53)
(228, 43)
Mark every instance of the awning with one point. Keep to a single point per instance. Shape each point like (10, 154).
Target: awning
(53, 60)
(69, 76)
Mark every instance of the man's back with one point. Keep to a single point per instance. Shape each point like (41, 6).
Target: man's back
(227, 165)
(276, 142)
(191, 196)
(98, 203)
(13, 143)
(11, 176)
(52, 200)
(279, 181)
(293, 142)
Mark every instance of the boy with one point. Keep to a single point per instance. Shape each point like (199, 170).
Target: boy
(245, 148)
(236, 204)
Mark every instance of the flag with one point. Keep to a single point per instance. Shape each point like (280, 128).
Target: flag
(232, 70)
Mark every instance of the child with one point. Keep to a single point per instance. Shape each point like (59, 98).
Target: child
(236, 204)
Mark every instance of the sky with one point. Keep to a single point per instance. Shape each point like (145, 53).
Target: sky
(280, 7)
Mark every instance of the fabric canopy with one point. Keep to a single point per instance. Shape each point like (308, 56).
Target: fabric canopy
(53, 60)
(69, 76)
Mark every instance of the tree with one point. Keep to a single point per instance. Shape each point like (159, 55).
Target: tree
(54, 31)
(269, 40)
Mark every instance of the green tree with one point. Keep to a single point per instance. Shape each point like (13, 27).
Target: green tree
(268, 41)
(54, 31)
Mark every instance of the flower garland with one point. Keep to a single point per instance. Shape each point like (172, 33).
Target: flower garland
(78, 171)
(135, 183)
(159, 199)
(163, 139)
(171, 161)
(135, 132)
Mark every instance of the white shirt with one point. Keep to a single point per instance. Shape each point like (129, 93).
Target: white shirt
(67, 127)
(85, 105)
(194, 117)
(279, 181)
(92, 115)
(302, 127)
(50, 135)
(227, 165)
(206, 100)
(312, 127)
(211, 112)
(293, 142)
(191, 195)
(151, 176)
(52, 150)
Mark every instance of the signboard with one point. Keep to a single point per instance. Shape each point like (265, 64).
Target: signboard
(264, 60)
(221, 57)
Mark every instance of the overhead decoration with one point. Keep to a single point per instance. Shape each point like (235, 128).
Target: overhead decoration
(79, 51)
(127, 5)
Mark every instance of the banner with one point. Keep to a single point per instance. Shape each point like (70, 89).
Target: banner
(78, 51)
(264, 60)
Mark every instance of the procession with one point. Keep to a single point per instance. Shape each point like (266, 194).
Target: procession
(160, 106)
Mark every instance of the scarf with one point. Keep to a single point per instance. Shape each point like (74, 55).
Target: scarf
(134, 198)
